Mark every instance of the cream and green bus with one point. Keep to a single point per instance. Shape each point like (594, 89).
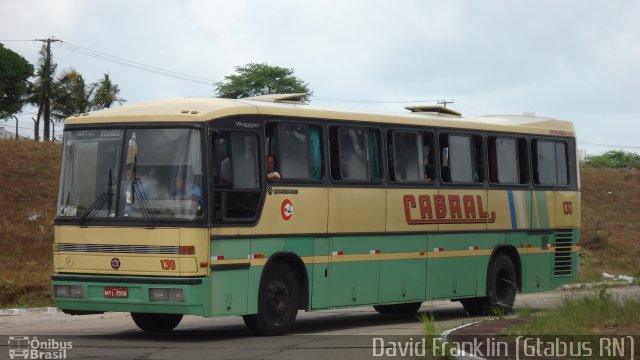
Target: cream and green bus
(165, 209)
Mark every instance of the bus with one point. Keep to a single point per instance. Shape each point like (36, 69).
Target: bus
(165, 209)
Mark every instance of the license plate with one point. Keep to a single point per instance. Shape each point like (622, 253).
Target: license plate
(116, 292)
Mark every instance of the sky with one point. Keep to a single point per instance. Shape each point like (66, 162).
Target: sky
(575, 60)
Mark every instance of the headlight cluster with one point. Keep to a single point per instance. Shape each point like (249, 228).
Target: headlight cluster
(163, 294)
(68, 291)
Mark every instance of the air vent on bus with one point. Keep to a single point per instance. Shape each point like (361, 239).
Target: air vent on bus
(433, 110)
(562, 265)
(129, 249)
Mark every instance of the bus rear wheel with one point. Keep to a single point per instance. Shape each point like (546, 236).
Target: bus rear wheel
(156, 322)
(278, 301)
(406, 308)
(501, 289)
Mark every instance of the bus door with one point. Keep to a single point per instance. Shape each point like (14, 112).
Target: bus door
(237, 197)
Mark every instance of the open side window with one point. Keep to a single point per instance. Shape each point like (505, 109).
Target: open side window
(355, 154)
(296, 149)
(410, 156)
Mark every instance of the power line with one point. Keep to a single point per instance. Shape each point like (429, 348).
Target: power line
(133, 64)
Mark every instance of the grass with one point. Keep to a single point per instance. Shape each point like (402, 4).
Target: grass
(29, 173)
(594, 314)
(441, 350)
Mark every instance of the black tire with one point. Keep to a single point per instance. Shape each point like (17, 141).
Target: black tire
(278, 302)
(476, 306)
(156, 322)
(501, 289)
(406, 308)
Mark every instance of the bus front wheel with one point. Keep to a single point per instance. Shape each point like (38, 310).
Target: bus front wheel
(501, 289)
(156, 322)
(278, 301)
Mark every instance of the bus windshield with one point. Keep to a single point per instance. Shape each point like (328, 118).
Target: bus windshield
(142, 174)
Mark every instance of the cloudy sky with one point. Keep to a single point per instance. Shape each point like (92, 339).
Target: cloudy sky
(574, 60)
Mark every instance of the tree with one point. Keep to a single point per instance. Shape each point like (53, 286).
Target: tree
(106, 94)
(72, 95)
(41, 90)
(14, 74)
(260, 79)
(614, 159)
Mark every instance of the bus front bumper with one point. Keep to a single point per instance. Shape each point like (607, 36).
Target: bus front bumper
(78, 294)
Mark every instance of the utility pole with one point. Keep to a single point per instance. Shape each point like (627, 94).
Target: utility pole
(44, 103)
(15, 117)
(445, 102)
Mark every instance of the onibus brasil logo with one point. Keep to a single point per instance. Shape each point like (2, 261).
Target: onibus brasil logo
(25, 347)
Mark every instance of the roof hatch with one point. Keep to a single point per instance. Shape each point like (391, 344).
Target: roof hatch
(296, 98)
(435, 110)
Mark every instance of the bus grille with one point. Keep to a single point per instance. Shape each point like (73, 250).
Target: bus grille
(129, 249)
(562, 265)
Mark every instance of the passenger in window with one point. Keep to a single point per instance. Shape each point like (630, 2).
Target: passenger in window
(272, 172)
(186, 191)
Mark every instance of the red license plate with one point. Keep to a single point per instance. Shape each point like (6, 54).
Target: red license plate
(116, 292)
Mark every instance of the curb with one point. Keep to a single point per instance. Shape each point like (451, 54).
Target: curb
(28, 311)
(463, 355)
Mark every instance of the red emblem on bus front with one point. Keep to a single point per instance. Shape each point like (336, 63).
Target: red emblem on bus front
(286, 209)
(115, 263)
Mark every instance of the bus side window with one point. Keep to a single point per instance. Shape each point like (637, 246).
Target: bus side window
(507, 160)
(236, 177)
(428, 144)
(222, 172)
(462, 159)
(549, 162)
(407, 157)
(297, 149)
(355, 154)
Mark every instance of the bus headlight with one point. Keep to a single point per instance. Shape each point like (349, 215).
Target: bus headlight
(68, 291)
(162, 294)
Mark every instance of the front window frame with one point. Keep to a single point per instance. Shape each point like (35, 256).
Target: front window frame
(118, 220)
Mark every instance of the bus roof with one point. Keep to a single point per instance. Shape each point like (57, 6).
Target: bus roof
(208, 109)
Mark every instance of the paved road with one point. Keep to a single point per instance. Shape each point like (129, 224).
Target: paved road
(343, 333)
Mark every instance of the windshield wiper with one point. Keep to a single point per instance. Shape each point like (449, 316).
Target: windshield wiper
(142, 201)
(138, 191)
(104, 198)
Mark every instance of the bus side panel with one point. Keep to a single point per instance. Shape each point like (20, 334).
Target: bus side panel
(540, 212)
(536, 257)
(355, 270)
(264, 247)
(319, 287)
(357, 210)
(567, 209)
(452, 265)
(512, 210)
(229, 285)
(403, 272)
